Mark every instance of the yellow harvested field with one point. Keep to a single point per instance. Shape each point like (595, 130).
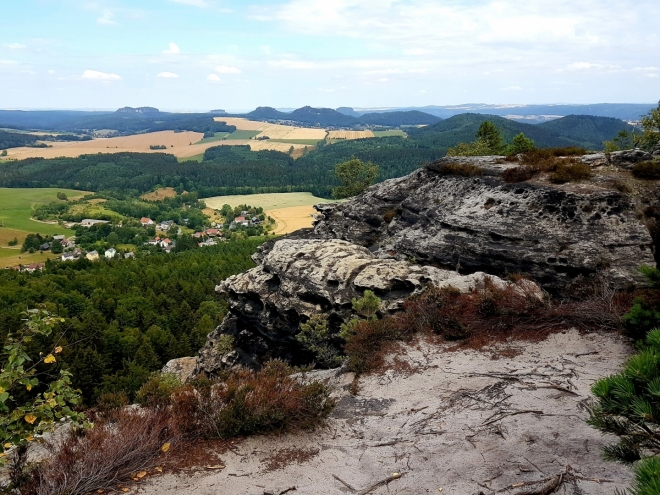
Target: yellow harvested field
(350, 135)
(292, 219)
(241, 124)
(177, 143)
(267, 201)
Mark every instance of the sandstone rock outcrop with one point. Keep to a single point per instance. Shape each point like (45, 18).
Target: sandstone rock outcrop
(472, 224)
(299, 278)
(628, 158)
(183, 368)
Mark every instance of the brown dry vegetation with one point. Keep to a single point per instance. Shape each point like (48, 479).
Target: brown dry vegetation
(647, 170)
(462, 169)
(160, 194)
(559, 162)
(126, 444)
(479, 318)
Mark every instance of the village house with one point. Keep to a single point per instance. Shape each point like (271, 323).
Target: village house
(208, 242)
(166, 225)
(92, 256)
(240, 219)
(199, 235)
(33, 267)
(130, 255)
(212, 232)
(70, 256)
(110, 253)
(146, 222)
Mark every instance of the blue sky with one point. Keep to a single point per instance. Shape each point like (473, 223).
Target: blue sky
(235, 55)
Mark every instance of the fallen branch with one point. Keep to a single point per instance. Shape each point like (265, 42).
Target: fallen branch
(552, 484)
(513, 413)
(344, 483)
(384, 482)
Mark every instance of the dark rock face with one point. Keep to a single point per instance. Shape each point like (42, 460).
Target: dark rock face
(656, 150)
(484, 224)
(299, 278)
(628, 158)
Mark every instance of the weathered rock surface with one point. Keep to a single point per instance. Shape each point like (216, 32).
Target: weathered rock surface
(183, 368)
(628, 158)
(475, 224)
(656, 150)
(299, 278)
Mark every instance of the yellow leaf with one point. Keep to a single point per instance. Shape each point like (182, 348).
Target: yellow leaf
(2, 390)
(159, 469)
(29, 386)
(124, 489)
(3, 455)
(30, 438)
(141, 474)
(165, 447)
(58, 349)
(51, 402)
(7, 445)
(30, 418)
(49, 359)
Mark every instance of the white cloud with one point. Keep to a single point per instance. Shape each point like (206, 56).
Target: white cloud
(7, 62)
(213, 78)
(417, 51)
(14, 46)
(172, 50)
(227, 69)
(195, 3)
(512, 88)
(168, 75)
(106, 19)
(95, 75)
(292, 64)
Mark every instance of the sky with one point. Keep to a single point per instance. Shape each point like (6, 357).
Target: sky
(236, 55)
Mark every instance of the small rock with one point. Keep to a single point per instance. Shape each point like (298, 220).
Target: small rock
(183, 368)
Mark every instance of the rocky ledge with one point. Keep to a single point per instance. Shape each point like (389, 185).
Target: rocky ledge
(299, 278)
(470, 224)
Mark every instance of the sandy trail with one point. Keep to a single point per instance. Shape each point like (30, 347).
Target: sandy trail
(465, 421)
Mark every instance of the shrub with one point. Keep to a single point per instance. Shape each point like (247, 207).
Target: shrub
(520, 144)
(570, 172)
(647, 170)
(248, 402)
(518, 174)
(119, 446)
(627, 404)
(156, 391)
(462, 169)
(645, 312)
(32, 400)
(476, 148)
(316, 339)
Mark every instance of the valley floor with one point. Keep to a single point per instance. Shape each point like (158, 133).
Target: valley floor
(460, 422)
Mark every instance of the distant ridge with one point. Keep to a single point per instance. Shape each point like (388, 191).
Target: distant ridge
(138, 110)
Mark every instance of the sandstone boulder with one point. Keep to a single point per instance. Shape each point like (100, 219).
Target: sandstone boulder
(483, 224)
(183, 368)
(299, 278)
(628, 158)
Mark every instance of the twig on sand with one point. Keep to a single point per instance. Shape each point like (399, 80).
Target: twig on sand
(552, 484)
(384, 482)
(501, 415)
(344, 483)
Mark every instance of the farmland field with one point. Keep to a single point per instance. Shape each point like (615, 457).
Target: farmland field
(218, 136)
(15, 210)
(333, 135)
(159, 194)
(291, 211)
(242, 134)
(396, 132)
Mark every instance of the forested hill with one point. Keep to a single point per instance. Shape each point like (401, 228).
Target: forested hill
(581, 130)
(123, 122)
(237, 170)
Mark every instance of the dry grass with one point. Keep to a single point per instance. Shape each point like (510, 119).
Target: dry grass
(285, 457)
(485, 316)
(160, 194)
(560, 162)
(120, 447)
(349, 135)
(647, 170)
(240, 123)
(461, 169)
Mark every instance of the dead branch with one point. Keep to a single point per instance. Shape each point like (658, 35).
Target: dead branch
(344, 483)
(512, 413)
(384, 482)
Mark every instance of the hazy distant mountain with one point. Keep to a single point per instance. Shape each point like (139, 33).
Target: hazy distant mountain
(623, 111)
(266, 113)
(140, 110)
(349, 111)
(325, 117)
(581, 130)
(394, 119)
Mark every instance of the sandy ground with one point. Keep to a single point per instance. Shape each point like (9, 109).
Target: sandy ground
(466, 422)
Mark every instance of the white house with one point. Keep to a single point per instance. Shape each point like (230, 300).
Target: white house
(111, 253)
(146, 221)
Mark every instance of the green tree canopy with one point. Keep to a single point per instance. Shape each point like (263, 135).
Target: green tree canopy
(491, 135)
(356, 176)
(651, 127)
(521, 144)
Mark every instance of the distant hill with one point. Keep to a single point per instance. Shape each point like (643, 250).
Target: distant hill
(575, 130)
(324, 117)
(349, 111)
(395, 119)
(266, 113)
(139, 110)
(587, 129)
